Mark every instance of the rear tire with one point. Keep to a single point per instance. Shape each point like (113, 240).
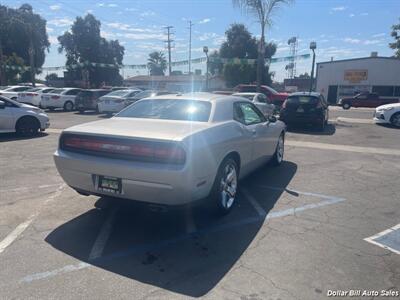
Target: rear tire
(395, 120)
(27, 126)
(68, 106)
(224, 191)
(277, 158)
(346, 106)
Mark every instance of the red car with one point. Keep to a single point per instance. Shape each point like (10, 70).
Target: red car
(365, 100)
(276, 98)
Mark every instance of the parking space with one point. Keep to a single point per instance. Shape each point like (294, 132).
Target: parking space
(297, 231)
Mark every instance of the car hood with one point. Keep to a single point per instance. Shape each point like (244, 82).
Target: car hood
(395, 105)
(139, 128)
(27, 106)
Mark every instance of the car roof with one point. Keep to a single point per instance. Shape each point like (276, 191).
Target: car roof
(312, 94)
(201, 96)
(247, 94)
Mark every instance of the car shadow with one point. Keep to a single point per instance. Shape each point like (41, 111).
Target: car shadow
(389, 126)
(9, 137)
(88, 113)
(186, 251)
(330, 129)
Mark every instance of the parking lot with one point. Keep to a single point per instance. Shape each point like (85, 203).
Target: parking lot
(297, 231)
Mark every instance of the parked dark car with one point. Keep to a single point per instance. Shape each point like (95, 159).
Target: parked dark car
(88, 99)
(305, 108)
(365, 99)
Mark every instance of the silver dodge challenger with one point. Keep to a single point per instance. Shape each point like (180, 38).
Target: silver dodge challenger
(171, 150)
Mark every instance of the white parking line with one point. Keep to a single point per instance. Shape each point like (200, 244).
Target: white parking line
(347, 148)
(372, 239)
(328, 200)
(253, 201)
(12, 236)
(104, 234)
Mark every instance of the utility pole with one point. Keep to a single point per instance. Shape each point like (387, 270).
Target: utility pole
(169, 41)
(31, 57)
(190, 45)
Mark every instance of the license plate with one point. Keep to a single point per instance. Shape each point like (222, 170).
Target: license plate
(300, 110)
(109, 184)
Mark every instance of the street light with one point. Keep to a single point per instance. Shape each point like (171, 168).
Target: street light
(313, 46)
(205, 50)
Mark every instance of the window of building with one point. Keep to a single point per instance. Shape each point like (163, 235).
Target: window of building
(383, 90)
(397, 91)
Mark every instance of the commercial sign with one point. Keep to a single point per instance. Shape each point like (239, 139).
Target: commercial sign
(355, 76)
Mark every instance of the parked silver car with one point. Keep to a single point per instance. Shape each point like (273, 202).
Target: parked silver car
(260, 100)
(171, 150)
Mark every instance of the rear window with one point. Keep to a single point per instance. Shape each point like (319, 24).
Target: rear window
(165, 109)
(302, 100)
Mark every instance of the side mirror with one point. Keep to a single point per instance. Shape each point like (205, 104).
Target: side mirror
(272, 119)
(2, 105)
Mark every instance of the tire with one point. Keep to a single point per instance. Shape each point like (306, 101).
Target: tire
(277, 158)
(321, 126)
(97, 109)
(68, 106)
(224, 191)
(395, 120)
(346, 105)
(27, 126)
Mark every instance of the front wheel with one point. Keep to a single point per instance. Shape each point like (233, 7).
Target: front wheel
(68, 106)
(395, 120)
(346, 105)
(277, 158)
(27, 126)
(223, 194)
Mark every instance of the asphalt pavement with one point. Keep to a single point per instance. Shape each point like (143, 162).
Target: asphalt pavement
(298, 231)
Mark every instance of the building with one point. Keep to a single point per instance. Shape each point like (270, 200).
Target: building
(339, 78)
(178, 83)
(297, 84)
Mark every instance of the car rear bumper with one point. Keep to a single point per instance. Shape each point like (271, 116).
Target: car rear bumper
(301, 119)
(145, 182)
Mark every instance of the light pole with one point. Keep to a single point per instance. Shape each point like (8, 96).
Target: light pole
(205, 50)
(313, 46)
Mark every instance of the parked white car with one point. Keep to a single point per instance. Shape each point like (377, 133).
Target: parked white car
(388, 114)
(60, 98)
(21, 118)
(34, 95)
(260, 100)
(116, 100)
(12, 91)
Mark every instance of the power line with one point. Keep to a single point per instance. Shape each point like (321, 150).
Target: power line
(169, 40)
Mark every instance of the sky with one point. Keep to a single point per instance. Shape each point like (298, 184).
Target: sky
(342, 29)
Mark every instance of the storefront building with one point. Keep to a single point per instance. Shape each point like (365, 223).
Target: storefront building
(341, 78)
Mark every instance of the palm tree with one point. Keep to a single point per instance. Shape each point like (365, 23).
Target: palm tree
(263, 11)
(157, 63)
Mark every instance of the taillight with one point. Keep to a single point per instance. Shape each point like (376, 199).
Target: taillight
(125, 149)
(55, 97)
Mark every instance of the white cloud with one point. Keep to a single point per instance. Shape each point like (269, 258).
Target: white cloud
(379, 35)
(371, 42)
(89, 11)
(55, 7)
(204, 21)
(60, 22)
(352, 41)
(53, 40)
(130, 28)
(141, 36)
(107, 5)
(148, 13)
(364, 14)
(130, 9)
(351, 15)
(112, 5)
(339, 8)
(49, 29)
(207, 36)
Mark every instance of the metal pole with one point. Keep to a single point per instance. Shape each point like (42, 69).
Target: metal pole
(207, 73)
(190, 45)
(169, 48)
(312, 71)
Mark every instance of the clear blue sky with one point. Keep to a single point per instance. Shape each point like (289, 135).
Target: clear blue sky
(342, 29)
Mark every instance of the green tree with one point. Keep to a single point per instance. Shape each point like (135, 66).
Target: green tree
(262, 11)
(241, 44)
(83, 45)
(396, 35)
(156, 63)
(23, 33)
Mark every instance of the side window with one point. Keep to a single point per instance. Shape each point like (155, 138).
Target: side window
(72, 92)
(247, 114)
(262, 98)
